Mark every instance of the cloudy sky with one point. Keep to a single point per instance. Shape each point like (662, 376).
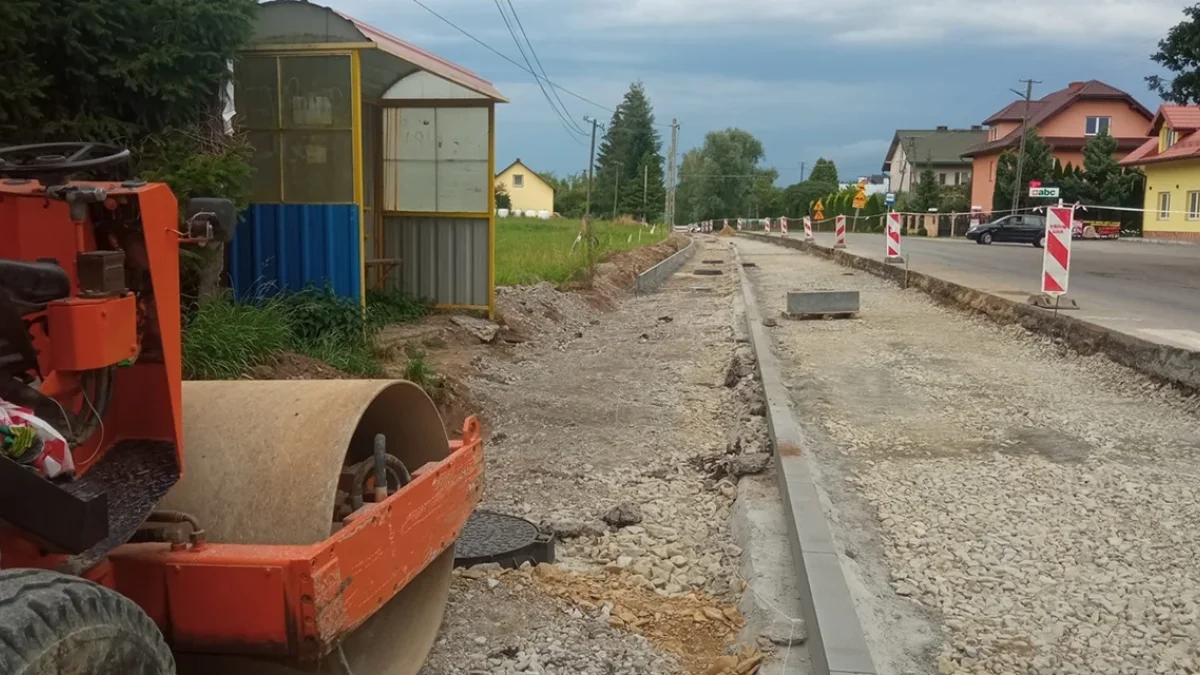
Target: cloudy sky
(809, 78)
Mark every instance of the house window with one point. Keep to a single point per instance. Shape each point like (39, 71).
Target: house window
(942, 178)
(1168, 138)
(1097, 126)
(518, 180)
(1194, 205)
(995, 131)
(1164, 206)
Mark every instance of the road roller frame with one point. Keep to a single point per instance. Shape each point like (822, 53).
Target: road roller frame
(218, 591)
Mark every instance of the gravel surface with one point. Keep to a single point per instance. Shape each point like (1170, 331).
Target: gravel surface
(623, 430)
(1041, 507)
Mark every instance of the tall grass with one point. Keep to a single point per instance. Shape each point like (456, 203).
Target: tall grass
(530, 250)
(225, 338)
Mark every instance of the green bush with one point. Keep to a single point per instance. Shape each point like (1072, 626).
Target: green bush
(224, 338)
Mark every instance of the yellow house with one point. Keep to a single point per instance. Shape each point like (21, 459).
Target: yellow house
(528, 191)
(1171, 161)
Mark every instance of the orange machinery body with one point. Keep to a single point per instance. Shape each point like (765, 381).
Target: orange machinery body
(288, 602)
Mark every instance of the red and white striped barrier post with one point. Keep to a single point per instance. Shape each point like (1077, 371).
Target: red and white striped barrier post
(1056, 255)
(783, 226)
(892, 233)
(840, 231)
(767, 225)
(808, 229)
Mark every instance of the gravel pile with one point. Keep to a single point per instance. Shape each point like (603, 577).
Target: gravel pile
(1040, 506)
(623, 432)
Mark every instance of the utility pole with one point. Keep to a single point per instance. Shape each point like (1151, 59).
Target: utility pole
(591, 162)
(1021, 153)
(587, 215)
(645, 191)
(616, 190)
(672, 179)
(801, 172)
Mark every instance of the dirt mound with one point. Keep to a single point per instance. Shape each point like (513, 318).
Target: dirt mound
(695, 627)
(292, 366)
(727, 231)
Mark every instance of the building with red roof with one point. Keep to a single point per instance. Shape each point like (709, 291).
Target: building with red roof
(1171, 162)
(1065, 119)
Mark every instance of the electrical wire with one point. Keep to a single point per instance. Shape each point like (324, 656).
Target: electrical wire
(536, 78)
(538, 61)
(504, 56)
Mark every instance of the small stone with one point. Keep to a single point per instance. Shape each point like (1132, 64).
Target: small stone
(769, 322)
(493, 582)
(623, 515)
(624, 561)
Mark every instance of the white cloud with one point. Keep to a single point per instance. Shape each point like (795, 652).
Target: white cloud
(920, 22)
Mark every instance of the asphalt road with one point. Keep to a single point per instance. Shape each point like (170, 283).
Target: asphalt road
(1150, 290)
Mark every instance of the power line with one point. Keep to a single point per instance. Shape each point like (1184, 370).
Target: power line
(537, 80)
(504, 56)
(545, 75)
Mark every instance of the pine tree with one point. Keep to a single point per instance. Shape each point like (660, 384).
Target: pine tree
(631, 151)
(928, 194)
(1037, 165)
(824, 172)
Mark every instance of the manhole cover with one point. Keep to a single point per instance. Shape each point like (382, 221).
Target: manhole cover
(707, 273)
(496, 538)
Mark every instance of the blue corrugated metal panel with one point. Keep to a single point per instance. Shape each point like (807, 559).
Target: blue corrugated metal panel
(286, 246)
(444, 259)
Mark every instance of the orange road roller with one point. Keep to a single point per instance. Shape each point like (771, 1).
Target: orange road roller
(150, 526)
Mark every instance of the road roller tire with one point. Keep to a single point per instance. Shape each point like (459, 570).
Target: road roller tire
(396, 640)
(56, 624)
(261, 465)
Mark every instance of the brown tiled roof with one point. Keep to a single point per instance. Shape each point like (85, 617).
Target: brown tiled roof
(1050, 105)
(1182, 119)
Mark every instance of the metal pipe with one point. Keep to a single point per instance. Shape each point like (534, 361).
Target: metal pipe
(380, 468)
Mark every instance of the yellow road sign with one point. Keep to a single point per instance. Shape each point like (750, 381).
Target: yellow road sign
(860, 196)
(818, 211)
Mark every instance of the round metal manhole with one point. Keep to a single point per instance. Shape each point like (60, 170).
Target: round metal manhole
(497, 538)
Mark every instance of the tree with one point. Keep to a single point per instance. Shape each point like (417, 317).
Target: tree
(1179, 53)
(630, 157)
(824, 171)
(718, 179)
(928, 194)
(503, 200)
(1037, 165)
(146, 75)
(1104, 181)
(570, 193)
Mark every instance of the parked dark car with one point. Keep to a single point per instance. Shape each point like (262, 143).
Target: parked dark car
(1025, 228)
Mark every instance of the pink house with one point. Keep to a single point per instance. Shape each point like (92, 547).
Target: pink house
(1065, 119)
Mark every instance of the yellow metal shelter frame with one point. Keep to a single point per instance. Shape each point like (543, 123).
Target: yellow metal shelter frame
(377, 232)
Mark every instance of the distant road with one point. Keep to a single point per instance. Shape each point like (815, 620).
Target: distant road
(1150, 290)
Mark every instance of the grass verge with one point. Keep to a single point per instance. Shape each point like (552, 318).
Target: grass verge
(225, 338)
(530, 250)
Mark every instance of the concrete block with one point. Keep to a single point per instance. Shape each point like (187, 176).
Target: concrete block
(804, 303)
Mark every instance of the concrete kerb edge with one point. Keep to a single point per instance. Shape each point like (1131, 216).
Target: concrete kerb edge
(654, 277)
(1175, 365)
(836, 641)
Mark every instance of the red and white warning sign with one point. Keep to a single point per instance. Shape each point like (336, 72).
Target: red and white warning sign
(840, 231)
(783, 225)
(893, 236)
(807, 229)
(1056, 259)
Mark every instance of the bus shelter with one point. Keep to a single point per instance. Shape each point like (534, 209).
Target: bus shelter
(373, 163)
